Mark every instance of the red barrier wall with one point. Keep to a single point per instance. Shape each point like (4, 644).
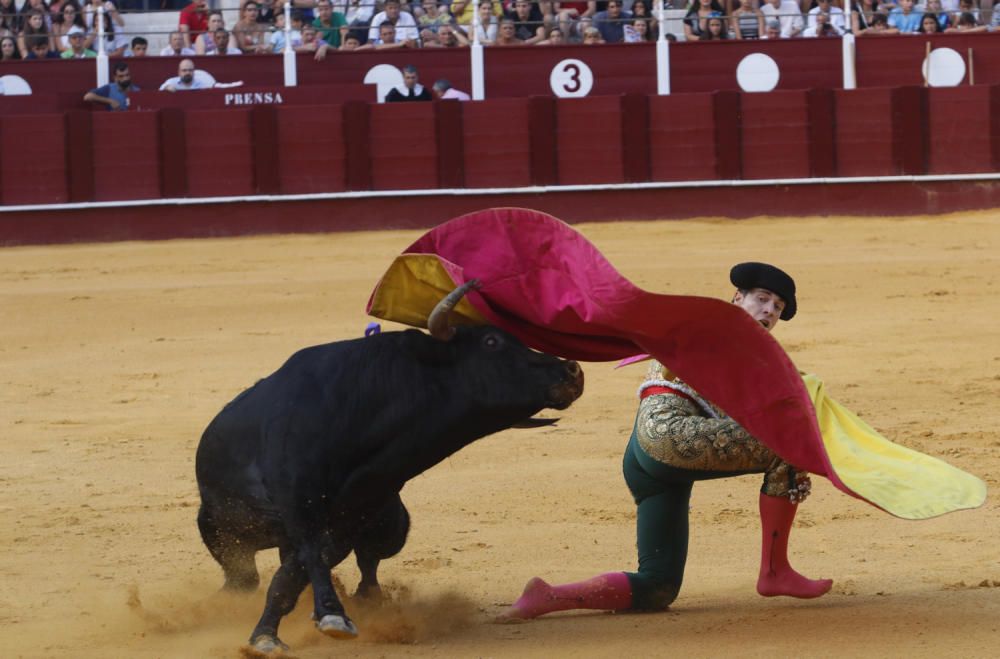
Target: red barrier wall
(682, 138)
(497, 145)
(775, 135)
(959, 126)
(522, 71)
(863, 132)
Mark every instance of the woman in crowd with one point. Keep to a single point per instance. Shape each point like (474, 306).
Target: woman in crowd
(641, 11)
(967, 23)
(205, 43)
(70, 15)
(929, 24)
(8, 49)
(34, 24)
(115, 41)
(861, 15)
(10, 23)
(696, 20)
(747, 21)
(488, 23)
(715, 30)
(249, 34)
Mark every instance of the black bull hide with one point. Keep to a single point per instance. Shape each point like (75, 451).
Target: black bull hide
(312, 458)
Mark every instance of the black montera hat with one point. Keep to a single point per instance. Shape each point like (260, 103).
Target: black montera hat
(762, 275)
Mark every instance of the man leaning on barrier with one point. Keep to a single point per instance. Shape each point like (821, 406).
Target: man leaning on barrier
(114, 95)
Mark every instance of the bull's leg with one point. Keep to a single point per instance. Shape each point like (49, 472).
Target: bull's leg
(235, 555)
(331, 619)
(382, 538)
(288, 583)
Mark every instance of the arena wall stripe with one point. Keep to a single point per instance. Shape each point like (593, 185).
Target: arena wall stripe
(357, 126)
(496, 143)
(682, 137)
(589, 132)
(125, 169)
(864, 132)
(728, 118)
(312, 155)
(909, 130)
(450, 150)
(542, 126)
(635, 137)
(173, 152)
(79, 156)
(993, 112)
(821, 129)
(264, 147)
(403, 145)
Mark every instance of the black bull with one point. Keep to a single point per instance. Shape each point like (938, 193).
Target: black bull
(312, 458)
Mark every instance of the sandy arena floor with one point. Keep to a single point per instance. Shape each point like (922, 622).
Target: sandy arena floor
(114, 357)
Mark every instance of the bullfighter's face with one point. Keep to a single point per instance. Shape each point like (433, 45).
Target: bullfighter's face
(763, 306)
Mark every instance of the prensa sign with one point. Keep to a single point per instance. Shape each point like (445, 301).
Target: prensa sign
(253, 98)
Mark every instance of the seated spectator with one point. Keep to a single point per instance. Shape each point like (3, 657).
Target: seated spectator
(69, 15)
(715, 30)
(38, 48)
(449, 36)
(787, 13)
(115, 94)
(528, 23)
(204, 43)
(964, 7)
(193, 21)
(34, 26)
(967, 23)
(821, 27)
(185, 79)
(747, 22)
(995, 17)
(506, 34)
(138, 47)
(388, 38)
(311, 42)
(462, 11)
(878, 26)
(277, 38)
(611, 22)
(638, 31)
(929, 24)
(332, 25)
(266, 14)
(115, 41)
(359, 15)
(772, 30)
(175, 46)
(443, 91)
(8, 49)
(350, 42)
(406, 26)
(411, 90)
(905, 18)
(488, 23)
(861, 15)
(934, 7)
(569, 14)
(224, 44)
(10, 24)
(77, 49)
(249, 35)
(432, 17)
(835, 19)
(555, 38)
(696, 19)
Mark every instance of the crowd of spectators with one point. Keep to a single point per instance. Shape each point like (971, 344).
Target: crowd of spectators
(39, 29)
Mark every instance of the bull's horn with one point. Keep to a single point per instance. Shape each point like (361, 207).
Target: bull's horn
(438, 322)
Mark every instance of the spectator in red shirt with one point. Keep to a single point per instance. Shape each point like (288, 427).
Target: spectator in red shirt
(193, 21)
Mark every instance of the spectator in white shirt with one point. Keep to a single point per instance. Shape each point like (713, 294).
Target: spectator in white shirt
(787, 13)
(836, 14)
(406, 26)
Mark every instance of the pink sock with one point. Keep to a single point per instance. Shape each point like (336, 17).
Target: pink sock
(610, 591)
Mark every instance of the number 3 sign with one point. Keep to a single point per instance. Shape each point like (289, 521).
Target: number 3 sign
(571, 78)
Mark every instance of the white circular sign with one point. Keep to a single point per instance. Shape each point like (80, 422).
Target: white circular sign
(947, 68)
(571, 78)
(757, 73)
(385, 77)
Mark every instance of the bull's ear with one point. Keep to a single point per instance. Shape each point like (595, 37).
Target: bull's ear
(427, 349)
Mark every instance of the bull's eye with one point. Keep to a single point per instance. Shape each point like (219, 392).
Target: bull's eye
(492, 342)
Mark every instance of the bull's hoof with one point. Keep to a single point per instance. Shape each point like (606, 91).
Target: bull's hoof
(266, 645)
(336, 626)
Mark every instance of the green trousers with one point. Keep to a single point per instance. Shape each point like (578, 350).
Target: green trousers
(662, 495)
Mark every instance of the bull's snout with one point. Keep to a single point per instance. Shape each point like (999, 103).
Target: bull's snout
(563, 394)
